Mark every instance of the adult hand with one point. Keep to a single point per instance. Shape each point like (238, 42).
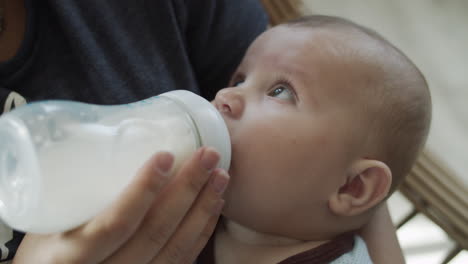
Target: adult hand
(158, 219)
(381, 239)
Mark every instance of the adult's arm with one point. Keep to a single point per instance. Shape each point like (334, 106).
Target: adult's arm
(381, 239)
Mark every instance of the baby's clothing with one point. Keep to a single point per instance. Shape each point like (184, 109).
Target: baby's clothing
(345, 249)
(358, 254)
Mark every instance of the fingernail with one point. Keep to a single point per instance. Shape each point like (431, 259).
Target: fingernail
(164, 163)
(209, 158)
(220, 181)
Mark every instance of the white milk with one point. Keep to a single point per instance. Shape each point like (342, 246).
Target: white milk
(85, 173)
(63, 162)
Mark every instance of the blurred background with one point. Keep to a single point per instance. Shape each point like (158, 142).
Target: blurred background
(432, 206)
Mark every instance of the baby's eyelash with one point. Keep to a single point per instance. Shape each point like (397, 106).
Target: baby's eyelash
(282, 80)
(288, 83)
(237, 77)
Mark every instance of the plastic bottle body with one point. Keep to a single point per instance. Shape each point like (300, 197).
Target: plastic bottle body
(67, 161)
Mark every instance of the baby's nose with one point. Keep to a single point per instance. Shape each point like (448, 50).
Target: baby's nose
(230, 102)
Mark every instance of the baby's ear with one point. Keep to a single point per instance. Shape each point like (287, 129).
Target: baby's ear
(368, 184)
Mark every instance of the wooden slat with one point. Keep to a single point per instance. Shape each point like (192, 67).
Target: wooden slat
(438, 194)
(448, 179)
(280, 11)
(449, 196)
(450, 211)
(435, 216)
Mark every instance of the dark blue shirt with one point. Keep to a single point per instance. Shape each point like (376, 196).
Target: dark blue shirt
(118, 51)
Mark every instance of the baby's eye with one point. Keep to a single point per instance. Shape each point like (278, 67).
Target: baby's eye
(282, 92)
(237, 80)
(237, 83)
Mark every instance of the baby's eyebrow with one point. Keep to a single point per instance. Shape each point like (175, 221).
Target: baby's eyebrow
(290, 68)
(297, 74)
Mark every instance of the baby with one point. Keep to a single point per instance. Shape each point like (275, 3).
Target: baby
(326, 117)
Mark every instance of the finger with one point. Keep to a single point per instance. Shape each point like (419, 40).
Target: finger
(169, 209)
(193, 233)
(109, 230)
(202, 241)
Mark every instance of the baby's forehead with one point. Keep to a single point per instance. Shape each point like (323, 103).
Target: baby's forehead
(283, 44)
(320, 44)
(319, 52)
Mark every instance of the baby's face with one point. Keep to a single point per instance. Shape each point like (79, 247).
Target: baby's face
(292, 131)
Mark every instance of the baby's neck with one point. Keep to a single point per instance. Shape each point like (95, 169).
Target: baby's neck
(235, 243)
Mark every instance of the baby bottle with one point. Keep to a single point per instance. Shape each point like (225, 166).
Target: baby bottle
(62, 162)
